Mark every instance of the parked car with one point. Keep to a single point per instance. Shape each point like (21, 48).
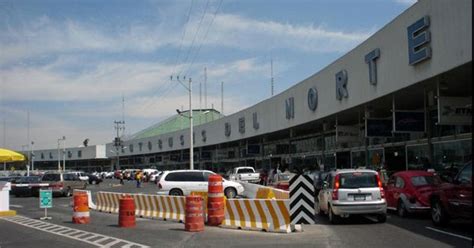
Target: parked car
(93, 179)
(63, 183)
(82, 175)
(182, 182)
(453, 199)
(154, 176)
(282, 180)
(26, 186)
(246, 174)
(351, 192)
(409, 191)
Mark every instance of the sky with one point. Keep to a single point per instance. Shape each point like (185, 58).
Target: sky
(74, 67)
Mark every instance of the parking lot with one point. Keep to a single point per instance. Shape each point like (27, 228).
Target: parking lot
(353, 232)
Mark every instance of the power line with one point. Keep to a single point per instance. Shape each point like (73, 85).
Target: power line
(195, 35)
(182, 37)
(205, 37)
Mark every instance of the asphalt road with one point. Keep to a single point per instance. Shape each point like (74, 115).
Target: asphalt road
(353, 232)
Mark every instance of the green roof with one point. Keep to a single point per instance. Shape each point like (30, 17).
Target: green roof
(178, 122)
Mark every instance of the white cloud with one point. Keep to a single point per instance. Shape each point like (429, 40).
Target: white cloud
(246, 33)
(46, 36)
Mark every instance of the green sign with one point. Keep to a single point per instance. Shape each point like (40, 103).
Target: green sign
(46, 198)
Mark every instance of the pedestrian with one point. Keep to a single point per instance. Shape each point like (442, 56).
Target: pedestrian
(121, 178)
(138, 178)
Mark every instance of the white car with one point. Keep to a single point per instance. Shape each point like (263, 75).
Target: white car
(351, 192)
(182, 182)
(82, 176)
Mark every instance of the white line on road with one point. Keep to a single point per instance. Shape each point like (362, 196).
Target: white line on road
(16, 206)
(68, 232)
(448, 233)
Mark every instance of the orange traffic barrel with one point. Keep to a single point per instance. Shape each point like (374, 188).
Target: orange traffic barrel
(80, 208)
(194, 219)
(127, 212)
(215, 201)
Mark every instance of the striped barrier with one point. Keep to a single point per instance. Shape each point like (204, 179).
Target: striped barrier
(257, 191)
(146, 206)
(258, 214)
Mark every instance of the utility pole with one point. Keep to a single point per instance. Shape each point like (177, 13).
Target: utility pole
(205, 87)
(28, 140)
(191, 142)
(222, 97)
(271, 75)
(118, 143)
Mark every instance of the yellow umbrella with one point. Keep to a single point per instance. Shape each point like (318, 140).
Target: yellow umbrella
(10, 156)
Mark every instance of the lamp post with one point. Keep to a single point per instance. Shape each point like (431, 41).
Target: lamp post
(191, 145)
(64, 153)
(59, 153)
(32, 156)
(26, 148)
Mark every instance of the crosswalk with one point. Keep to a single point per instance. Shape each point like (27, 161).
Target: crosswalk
(95, 239)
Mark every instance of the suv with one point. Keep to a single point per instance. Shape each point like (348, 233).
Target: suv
(63, 183)
(454, 198)
(352, 191)
(182, 182)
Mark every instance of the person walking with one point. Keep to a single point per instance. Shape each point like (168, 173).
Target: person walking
(138, 177)
(121, 178)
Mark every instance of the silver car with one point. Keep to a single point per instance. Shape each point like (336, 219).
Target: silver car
(352, 191)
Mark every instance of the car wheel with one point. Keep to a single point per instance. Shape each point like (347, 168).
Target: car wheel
(230, 193)
(94, 182)
(401, 209)
(334, 219)
(176, 192)
(438, 214)
(382, 218)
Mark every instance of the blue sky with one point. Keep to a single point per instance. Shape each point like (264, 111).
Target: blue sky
(68, 63)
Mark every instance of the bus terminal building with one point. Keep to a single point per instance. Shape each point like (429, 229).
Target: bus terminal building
(402, 99)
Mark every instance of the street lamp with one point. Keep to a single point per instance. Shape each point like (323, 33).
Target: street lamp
(26, 148)
(191, 148)
(32, 157)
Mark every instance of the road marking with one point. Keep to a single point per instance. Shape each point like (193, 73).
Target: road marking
(16, 206)
(71, 232)
(448, 233)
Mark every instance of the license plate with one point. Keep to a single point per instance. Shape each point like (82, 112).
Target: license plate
(359, 197)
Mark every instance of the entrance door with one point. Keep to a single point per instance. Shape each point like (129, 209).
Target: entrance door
(395, 158)
(343, 160)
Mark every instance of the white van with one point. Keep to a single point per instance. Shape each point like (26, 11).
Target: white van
(182, 182)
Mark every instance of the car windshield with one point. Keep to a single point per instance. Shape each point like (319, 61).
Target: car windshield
(357, 180)
(246, 170)
(29, 179)
(424, 180)
(284, 177)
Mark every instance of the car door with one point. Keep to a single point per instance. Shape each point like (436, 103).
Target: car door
(390, 191)
(461, 200)
(324, 194)
(398, 190)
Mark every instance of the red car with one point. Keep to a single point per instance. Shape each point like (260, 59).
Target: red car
(453, 199)
(410, 191)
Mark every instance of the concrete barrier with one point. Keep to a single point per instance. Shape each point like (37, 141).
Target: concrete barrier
(257, 191)
(146, 206)
(258, 214)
